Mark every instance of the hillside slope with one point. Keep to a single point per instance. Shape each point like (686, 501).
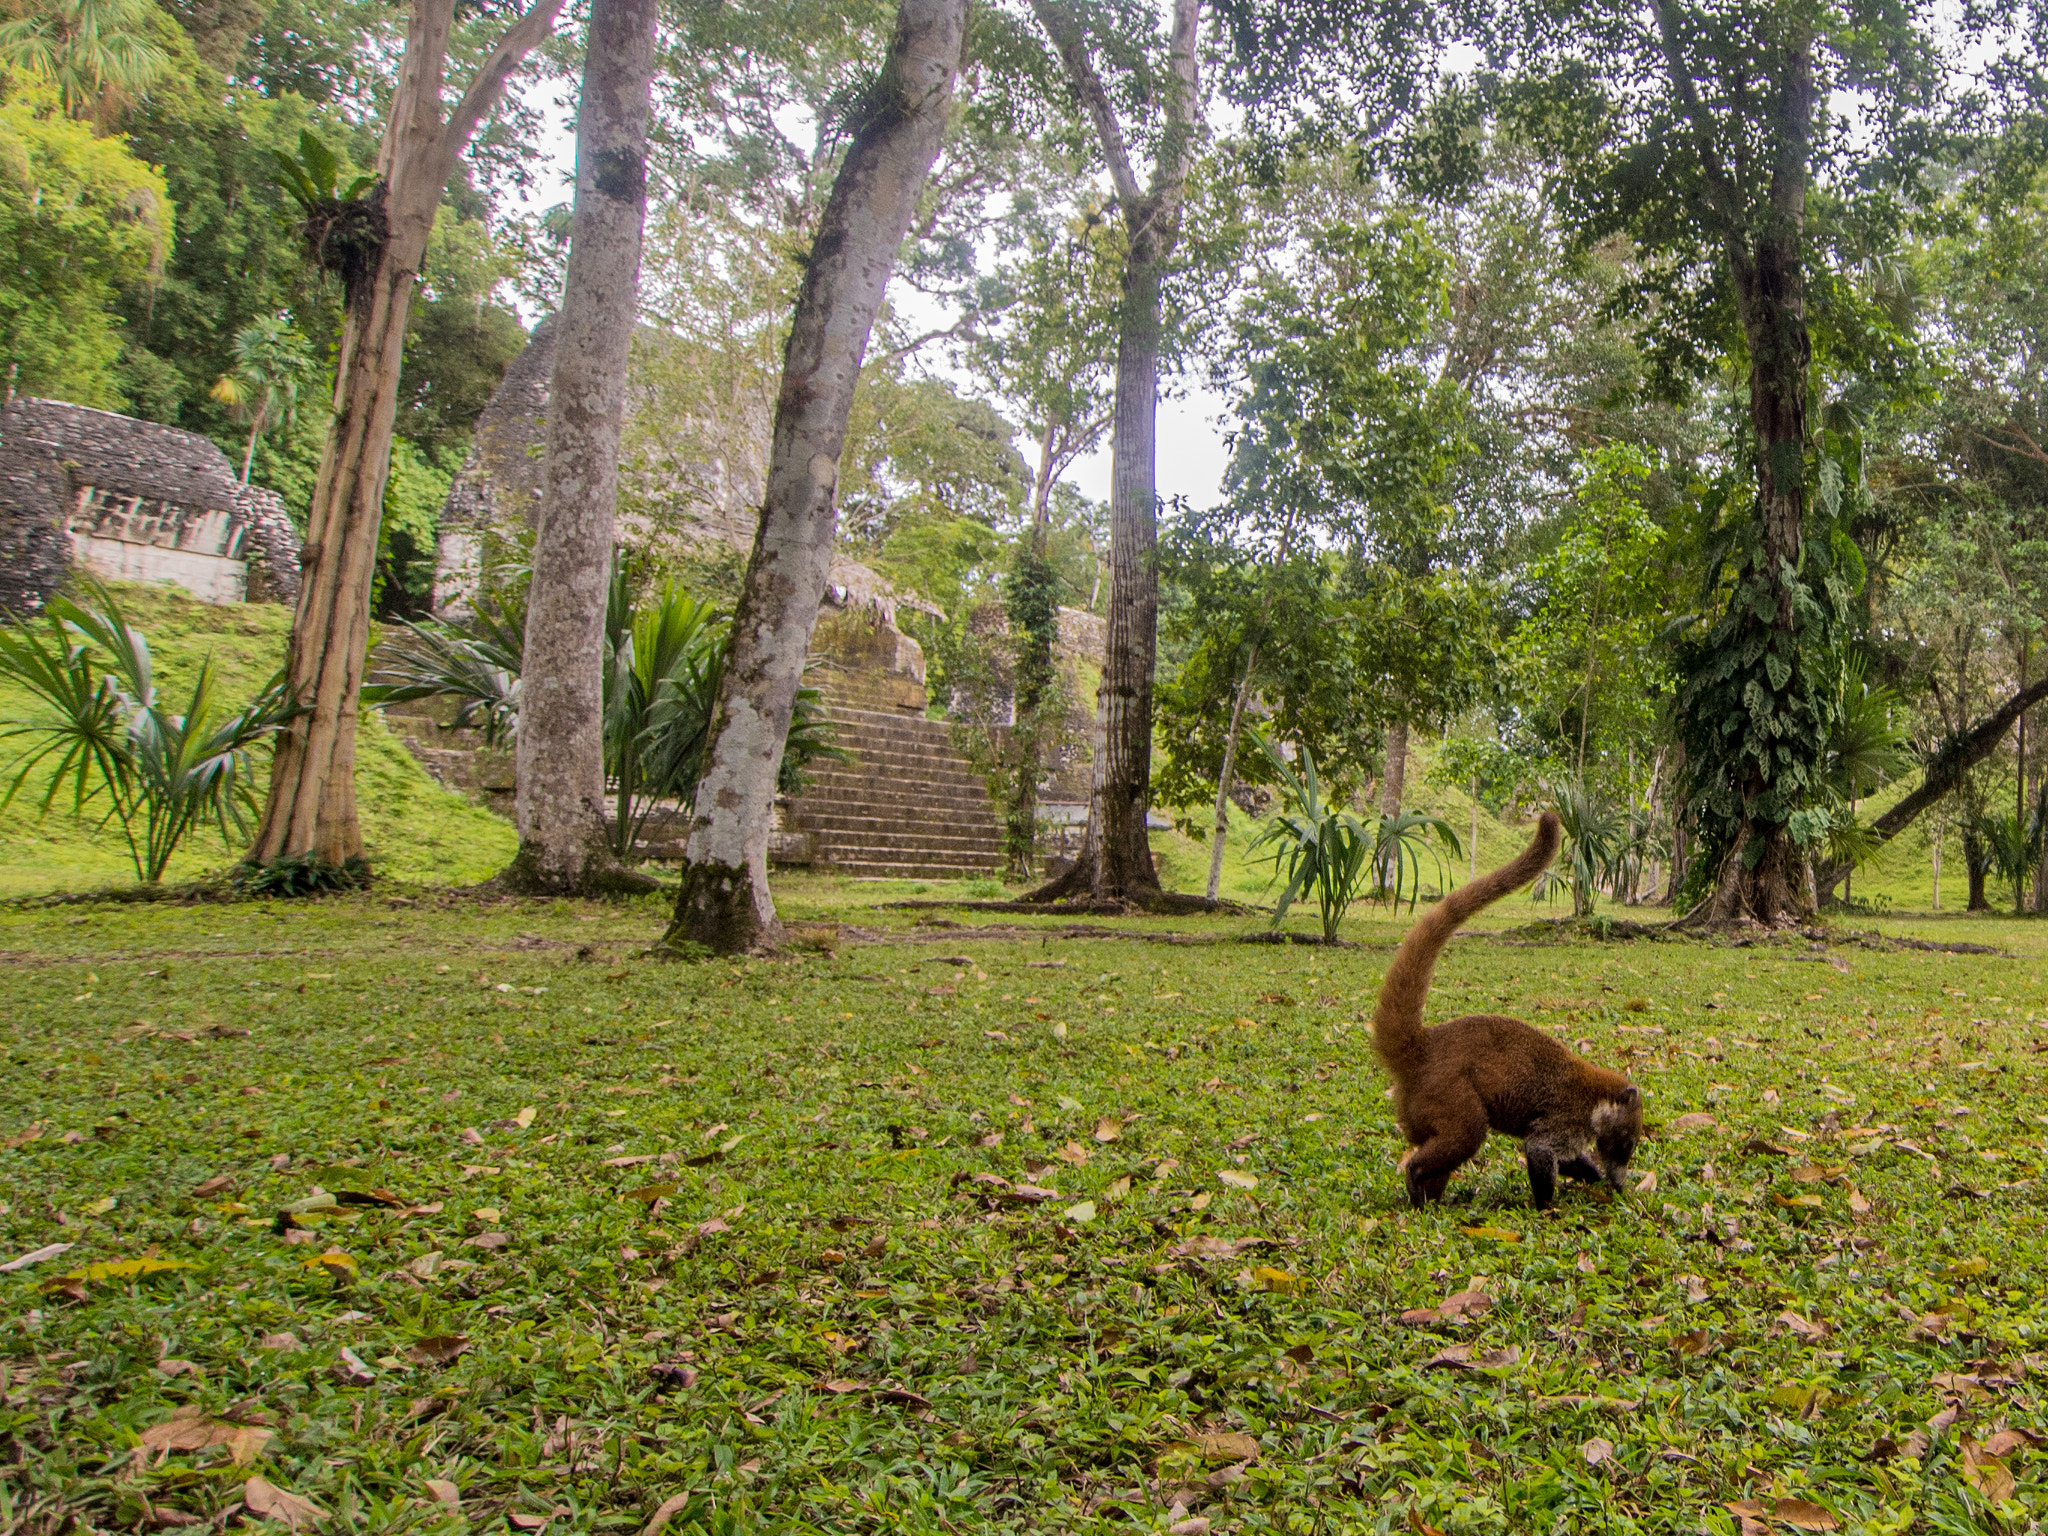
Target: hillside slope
(415, 830)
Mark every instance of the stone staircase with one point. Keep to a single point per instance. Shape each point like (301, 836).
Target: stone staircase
(455, 759)
(909, 807)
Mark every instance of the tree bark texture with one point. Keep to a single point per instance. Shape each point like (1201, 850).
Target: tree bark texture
(1977, 865)
(1116, 863)
(725, 903)
(311, 809)
(563, 847)
(1394, 778)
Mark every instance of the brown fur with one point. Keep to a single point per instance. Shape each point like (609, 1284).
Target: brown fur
(1457, 1081)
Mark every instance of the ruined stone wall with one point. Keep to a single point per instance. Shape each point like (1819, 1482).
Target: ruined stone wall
(131, 499)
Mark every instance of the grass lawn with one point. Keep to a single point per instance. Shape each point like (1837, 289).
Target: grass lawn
(761, 1243)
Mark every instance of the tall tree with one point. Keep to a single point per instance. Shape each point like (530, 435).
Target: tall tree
(563, 844)
(725, 903)
(1116, 855)
(1712, 134)
(376, 241)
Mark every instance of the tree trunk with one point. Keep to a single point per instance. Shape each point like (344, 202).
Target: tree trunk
(1762, 876)
(311, 810)
(564, 848)
(1116, 862)
(1394, 778)
(1977, 863)
(725, 903)
(249, 453)
(1226, 775)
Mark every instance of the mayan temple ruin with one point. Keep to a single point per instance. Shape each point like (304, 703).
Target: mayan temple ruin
(132, 500)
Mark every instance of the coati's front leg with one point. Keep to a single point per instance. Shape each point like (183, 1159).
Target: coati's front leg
(1546, 1159)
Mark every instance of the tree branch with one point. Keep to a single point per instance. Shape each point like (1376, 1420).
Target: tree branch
(1721, 194)
(1064, 28)
(1945, 768)
(514, 44)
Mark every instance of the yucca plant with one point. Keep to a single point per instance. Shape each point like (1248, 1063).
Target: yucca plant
(1336, 854)
(662, 665)
(160, 773)
(1595, 844)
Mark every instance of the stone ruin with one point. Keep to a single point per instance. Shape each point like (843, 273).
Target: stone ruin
(908, 806)
(132, 500)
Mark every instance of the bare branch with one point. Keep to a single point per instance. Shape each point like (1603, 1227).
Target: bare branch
(1064, 28)
(514, 44)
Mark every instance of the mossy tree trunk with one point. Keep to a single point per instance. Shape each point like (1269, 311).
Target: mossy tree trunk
(563, 843)
(725, 903)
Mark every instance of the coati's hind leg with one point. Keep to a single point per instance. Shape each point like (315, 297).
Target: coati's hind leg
(1450, 1140)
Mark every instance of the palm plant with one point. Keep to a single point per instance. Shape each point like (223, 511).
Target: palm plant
(663, 660)
(2015, 847)
(1324, 848)
(1596, 838)
(475, 663)
(271, 360)
(162, 774)
(96, 53)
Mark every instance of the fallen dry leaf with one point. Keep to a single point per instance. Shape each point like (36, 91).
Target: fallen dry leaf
(1237, 1178)
(265, 1498)
(1809, 1331)
(1109, 1128)
(1463, 1357)
(445, 1492)
(1073, 1152)
(1986, 1473)
(35, 1256)
(1203, 1246)
(1694, 1122)
(192, 1428)
(1803, 1515)
(1226, 1445)
(1596, 1451)
(442, 1349)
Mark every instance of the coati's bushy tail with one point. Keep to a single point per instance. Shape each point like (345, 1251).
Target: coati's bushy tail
(1397, 1023)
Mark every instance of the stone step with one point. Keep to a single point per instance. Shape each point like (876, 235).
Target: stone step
(893, 777)
(885, 869)
(967, 846)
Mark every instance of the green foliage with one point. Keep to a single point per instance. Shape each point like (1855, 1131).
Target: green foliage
(1756, 711)
(1501, 773)
(1325, 849)
(293, 875)
(80, 218)
(1596, 836)
(663, 660)
(341, 225)
(1586, 673)
(162, 774)
(272, 363)
(95, 54)
(414, 492)
(1320, 848)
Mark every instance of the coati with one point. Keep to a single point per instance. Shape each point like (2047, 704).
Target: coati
(1456, 1081)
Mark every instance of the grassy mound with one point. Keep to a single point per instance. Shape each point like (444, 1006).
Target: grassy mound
(415, 829)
